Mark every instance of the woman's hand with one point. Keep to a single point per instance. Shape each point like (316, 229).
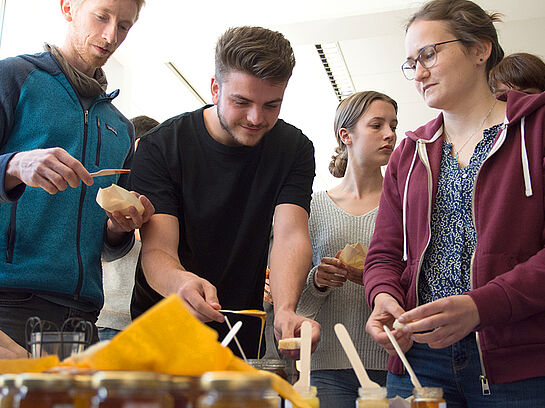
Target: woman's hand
(354, 274)
(443, 322)
(330, 273)
(386, 310)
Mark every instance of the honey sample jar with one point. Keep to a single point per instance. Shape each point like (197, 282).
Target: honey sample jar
(231, 389)
(275, 366)
(184, 391)
(310, 397)
(43, 391)
(7, 390)
(83, 391)
(372, 398)
(428, 397)
(129, 389)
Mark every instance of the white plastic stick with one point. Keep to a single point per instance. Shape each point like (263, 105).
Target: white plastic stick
(236, 341)
(231, 334)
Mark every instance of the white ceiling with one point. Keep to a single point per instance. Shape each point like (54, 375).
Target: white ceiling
(370, 34)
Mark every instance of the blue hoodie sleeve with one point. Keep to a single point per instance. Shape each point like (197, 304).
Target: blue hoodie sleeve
(13, 72)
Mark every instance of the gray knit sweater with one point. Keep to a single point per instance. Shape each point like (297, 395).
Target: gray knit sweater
(330, 230)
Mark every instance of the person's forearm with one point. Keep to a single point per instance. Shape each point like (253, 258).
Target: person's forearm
(11, 179)
(163, 271)
(289, 265)
(115, 239)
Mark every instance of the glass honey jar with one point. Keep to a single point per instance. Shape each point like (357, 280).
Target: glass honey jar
(275, 366)
(184, 390)
(128, 389)
(83, 391)
(7, 390)
(43, 391)
(310, 397)
(428, 397)
(372, 398)
(231, 389)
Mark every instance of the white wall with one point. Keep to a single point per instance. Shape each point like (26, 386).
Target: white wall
(370, 33)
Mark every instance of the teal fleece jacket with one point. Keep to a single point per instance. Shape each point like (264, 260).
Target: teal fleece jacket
(51, 244)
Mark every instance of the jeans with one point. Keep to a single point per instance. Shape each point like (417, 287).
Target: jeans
(105, 333)
(339, 388)
(456, 369)
(17, 308)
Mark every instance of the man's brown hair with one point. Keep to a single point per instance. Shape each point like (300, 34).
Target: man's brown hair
(257, 51)
(520, 70)
(142, 125)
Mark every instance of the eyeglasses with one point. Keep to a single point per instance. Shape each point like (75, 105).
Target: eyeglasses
(427, 57)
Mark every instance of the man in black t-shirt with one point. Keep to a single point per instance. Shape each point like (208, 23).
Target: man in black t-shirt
(217, 177)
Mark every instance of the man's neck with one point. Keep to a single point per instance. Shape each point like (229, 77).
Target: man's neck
(73, 59)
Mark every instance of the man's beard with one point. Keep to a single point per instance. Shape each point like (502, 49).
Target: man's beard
(225, 126)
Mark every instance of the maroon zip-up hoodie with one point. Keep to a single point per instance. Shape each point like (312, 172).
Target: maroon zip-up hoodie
(508, 268)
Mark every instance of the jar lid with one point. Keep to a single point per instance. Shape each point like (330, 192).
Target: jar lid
(40, 381)
(130, 379)
(428, 393)
(182, 383)
(83, 381)
(233, 380)
(267, 363)
(372, 393)
(7, 380)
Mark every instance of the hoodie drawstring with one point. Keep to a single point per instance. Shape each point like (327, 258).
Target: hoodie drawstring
(524, 158)
(405, 203)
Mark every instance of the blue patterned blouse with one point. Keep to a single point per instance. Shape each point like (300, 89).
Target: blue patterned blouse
(446, 265)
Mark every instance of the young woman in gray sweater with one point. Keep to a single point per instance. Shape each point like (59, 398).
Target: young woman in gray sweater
(365, 125)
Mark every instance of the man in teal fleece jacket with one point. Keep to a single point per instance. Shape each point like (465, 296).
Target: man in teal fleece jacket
(57, 125)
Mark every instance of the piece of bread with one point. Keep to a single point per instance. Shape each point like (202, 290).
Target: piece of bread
(292, 343)
(397, 325)
(115, 198)
(354, 255)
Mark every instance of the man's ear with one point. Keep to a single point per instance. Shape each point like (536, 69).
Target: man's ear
(215, 90)
(67, 9)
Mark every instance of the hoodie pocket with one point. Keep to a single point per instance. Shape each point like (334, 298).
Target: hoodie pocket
(10, 247)
(99, 141)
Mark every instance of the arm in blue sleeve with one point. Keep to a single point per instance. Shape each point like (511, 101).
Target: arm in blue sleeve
(13, 72)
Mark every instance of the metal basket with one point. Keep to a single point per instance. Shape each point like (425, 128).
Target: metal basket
(44, 337)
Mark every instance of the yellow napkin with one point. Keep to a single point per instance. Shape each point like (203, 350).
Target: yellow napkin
(168, 339)
(28, 365)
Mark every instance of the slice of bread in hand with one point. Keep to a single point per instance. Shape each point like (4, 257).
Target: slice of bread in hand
(292, 343)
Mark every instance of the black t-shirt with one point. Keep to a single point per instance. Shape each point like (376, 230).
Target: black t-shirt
(224, 198)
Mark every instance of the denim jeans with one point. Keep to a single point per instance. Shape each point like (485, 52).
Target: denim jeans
(17, 308)
(105, 333)
(339, 388)
(456, 369)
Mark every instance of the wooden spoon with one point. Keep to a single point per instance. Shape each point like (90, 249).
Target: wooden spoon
(109, 172)
(401, 355)
(352, 354)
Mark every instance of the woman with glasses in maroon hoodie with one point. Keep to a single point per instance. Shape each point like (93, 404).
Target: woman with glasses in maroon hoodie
(458, 250)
